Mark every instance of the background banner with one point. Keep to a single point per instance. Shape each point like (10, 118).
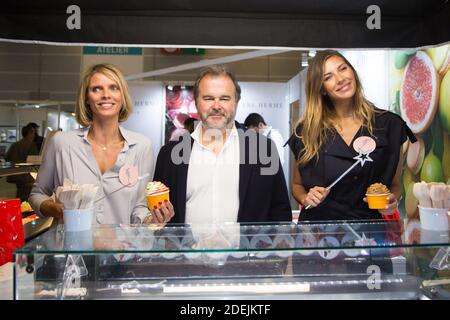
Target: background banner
(419, 91)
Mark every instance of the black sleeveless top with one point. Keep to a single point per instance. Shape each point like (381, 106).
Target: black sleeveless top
(345, 201)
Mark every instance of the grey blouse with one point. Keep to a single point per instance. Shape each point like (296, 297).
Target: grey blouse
(69, 155)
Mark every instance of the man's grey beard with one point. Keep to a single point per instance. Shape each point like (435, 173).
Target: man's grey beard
(209, 125)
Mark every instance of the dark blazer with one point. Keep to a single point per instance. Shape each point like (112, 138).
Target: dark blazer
(262, 198)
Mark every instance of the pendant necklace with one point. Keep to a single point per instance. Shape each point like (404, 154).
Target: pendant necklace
(102, 146)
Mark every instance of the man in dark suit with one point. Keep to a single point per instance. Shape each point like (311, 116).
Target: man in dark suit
(221, 172)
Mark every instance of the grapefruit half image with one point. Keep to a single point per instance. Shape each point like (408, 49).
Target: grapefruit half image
(419, 92)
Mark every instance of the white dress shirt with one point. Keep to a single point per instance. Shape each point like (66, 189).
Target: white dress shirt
(277, 138)
(69, 155)
(212, 192)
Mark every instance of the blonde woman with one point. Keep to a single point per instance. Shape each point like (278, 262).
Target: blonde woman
(96, 153)
(336, 113)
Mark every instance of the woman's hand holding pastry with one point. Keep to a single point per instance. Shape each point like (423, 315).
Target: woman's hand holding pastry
(391, 206)
(162, 214)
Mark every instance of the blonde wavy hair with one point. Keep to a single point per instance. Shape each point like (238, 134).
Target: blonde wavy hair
(319, 117)
(83, 112)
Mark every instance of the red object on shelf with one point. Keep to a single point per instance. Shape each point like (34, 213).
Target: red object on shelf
(389, 217)
(11, 229)
(170, 50)
(30, 218)
(394, 231)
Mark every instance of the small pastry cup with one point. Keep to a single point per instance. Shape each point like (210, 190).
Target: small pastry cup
(154, 199)
(377, 201)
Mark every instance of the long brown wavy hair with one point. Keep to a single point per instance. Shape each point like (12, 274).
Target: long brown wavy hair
(319, 117)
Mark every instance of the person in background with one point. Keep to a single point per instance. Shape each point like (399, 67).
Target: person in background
(336, 113)
(96, 153)
(37, 138)
(189, 124)
(256, 122)
(18, 152)
(215, 181)
(188, 128)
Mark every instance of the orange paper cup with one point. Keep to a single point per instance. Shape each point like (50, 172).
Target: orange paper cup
(154, 199)
(377, 201)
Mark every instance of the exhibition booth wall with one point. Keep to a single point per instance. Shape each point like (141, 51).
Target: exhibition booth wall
(271, 100)
(387, 76)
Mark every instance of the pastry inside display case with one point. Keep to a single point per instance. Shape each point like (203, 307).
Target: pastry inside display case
(243, 252)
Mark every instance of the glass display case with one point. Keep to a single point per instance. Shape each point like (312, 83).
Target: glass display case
(330, 260)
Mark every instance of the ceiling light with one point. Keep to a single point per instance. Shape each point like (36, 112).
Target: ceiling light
(304, 59)
(312, 53)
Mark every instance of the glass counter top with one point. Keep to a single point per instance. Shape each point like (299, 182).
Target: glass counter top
(332, 259)
(235, 237)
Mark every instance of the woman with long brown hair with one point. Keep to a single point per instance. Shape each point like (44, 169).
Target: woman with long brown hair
(337, 113)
